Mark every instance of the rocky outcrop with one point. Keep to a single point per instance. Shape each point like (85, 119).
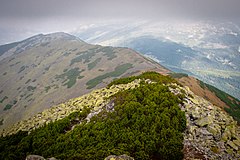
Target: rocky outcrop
(37, 157)
(95, 100)
(34, 157)
(121, 157)
(211, 133)
(111, 157)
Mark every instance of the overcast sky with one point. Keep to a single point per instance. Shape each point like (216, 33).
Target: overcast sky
(22, 18)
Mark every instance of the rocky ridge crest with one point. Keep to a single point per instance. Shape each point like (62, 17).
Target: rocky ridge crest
(95, 100)
(211, 133)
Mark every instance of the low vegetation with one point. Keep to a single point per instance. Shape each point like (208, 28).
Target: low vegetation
(67, 54)
(93, 64)
(147, 75)
(9, 106)
(29, 95)
(47, 88)
(119, 70)
(70, 77)
(22, 69)
(109, 52)
(84, 57)
(3, 99)
(27, 81)
(31, 88)
(146, 123)
(232, 102)
(178, 75)
(47, 68)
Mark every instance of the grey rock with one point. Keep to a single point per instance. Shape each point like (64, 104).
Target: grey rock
(215, 130)
(34, 157)
(232, 145)
(52, 158)
(121, 157)
(205, 121)
(237, 142)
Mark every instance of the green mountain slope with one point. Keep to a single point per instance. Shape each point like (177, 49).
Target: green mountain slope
(46, 70)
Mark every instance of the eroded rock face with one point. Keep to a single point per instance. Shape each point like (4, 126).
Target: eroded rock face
(211, 133)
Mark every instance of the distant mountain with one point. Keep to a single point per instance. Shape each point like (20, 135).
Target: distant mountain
(45, 70)
(208, 50)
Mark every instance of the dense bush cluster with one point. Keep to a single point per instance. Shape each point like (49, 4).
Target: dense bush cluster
(154, 76)
(146, 124)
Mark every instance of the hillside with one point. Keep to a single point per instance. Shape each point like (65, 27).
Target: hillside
(46, 70)
(150, 116)
(217, 97)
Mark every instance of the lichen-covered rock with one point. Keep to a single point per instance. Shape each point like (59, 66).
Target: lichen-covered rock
(121, 157)
(205, 121)
(34, 157)
(231, 144)
(37, 157)
(95, 100)
(226, 134)
(215, 130)
(211, 133)
(237, 142)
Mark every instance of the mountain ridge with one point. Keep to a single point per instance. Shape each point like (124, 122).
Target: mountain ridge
(210, 132)
(37, 72)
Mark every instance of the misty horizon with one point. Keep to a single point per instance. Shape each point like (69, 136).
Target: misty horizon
(23, 19)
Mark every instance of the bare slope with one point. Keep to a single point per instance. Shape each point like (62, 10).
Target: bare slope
(46, 70)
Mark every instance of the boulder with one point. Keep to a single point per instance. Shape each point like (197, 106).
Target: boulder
(34, 157)
(195, 114)
(237, 142)
(215, 130)
(52, 158)
(232, 145)
(121, 157)
(205, 121)
(226, 135)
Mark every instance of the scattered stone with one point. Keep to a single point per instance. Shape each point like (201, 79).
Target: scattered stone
(34, 157)
(237, 142)
(205, 121)
(51, 158)
(215, 130)
(122, 157)
(211, 133)
(95, 100)
(231, 144)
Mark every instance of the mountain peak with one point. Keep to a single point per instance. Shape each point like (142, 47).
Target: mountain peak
(54, 36)
(37, 40)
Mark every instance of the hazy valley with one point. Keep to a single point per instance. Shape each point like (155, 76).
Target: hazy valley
(208, 50)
